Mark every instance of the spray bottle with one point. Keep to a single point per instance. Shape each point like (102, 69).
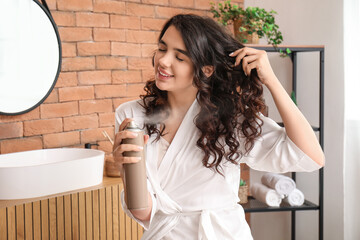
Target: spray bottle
(136, 195)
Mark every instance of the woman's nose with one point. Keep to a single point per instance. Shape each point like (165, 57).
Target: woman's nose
(165, 60)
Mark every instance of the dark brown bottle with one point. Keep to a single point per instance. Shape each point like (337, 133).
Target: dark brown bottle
(136, 194)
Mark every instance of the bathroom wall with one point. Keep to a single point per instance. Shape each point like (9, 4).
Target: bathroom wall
(312, 23)
(106, 47)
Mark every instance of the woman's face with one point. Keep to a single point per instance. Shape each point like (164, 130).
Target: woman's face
(174, 70)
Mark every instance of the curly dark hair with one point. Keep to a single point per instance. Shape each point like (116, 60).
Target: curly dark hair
(224, 97)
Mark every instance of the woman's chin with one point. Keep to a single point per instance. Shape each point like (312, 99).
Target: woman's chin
(160, 85)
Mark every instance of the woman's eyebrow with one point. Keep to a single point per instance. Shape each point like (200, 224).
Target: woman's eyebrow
(177, 49)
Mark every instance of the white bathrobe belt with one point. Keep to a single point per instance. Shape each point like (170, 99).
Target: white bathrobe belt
(205, 231)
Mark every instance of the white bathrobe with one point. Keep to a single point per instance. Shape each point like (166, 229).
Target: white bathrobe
(191, 201)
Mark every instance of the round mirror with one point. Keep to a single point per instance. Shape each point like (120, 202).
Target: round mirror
(30, 55)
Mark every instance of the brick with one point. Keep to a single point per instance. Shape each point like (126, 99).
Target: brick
(147, 74)
(156, 2)
(74, 34)
(141, 36)
(21, 144)
(78, 5)
(38, 127)
(95, 106)
(125, 22)
(63, 139)
(94, 77)
(182, 3)
(93, 48)
(103, 62)
(139, 63)
(64, 18)
(105, 34)
(81, 122)
(59, 110)
(33, 114)
(109, 91)
(105, 146)
(68, 49)
(92, 19)
(135, 9)
(203, 4)
(196, 12)
(78, 64)
(110, 7)
(51, 4)
(148, 50)
(125, 49)
(67, 79)
(76, 93)
(167, 12)
(94, 135)
(11, 130)
(107, 119)
(119, 77)
(53, 97)
(118, 101)
(134, 90)
(152, 24)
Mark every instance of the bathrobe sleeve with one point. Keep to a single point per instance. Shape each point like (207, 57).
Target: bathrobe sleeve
(133, 110)
(274, 151)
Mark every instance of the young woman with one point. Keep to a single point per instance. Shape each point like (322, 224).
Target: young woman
(202, 113)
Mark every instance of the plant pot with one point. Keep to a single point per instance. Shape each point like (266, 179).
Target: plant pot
(243, 194)
(251, 38)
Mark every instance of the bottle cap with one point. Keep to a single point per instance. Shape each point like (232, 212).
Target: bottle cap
(132, 124)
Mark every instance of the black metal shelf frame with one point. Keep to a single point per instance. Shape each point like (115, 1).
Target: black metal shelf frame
(255, 206)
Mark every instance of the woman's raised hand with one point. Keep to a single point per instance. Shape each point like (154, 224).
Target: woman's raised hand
(255, 59)
(119, 148)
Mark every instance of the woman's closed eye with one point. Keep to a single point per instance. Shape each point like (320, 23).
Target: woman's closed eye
(164, 50)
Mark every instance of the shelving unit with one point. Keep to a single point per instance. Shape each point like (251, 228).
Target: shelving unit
(255, 206)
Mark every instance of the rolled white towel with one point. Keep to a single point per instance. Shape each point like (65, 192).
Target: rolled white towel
(283, 185)
(295, 198)
(265, 194)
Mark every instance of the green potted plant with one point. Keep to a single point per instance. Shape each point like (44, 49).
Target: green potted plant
(250, 24)
(243, 192)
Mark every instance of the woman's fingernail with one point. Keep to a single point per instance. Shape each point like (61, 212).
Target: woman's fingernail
(231, 54)
(140, 147)
(134, 134)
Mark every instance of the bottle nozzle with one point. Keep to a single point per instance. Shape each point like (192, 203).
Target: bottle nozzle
(132, 124)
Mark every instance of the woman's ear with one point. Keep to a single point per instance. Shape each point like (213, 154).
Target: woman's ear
(208, 70)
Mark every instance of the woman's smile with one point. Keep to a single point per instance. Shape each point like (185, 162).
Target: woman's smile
(162, 75)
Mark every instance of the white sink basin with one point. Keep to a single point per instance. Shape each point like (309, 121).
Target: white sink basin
(49, 171)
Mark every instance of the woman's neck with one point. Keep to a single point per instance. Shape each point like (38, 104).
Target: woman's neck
(180, 103)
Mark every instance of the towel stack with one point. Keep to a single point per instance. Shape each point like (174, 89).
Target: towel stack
(276, 187)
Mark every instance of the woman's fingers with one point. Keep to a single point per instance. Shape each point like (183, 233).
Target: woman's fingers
(255, 59)
(125, 160)
(124, 123)
(126, 148)
(146, 139)
(121, 135)
(246, 61)
(242, 52)
(250, 66)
